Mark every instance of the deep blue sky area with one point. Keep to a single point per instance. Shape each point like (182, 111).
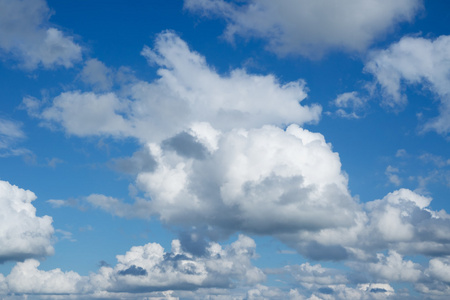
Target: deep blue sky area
(219, 149)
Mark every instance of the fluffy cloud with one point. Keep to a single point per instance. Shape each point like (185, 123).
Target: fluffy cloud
(266, 180)
(284, 183)
(393, 268)
(22, 233)
(26, 36)
(401, 221)
(144, 269)
(176, 100)
(309, 27)
(25, 278)
(415, 61)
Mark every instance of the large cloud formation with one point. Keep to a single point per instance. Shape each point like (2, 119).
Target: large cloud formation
(172, 103)
(209, 161)
(26, 35)
(309, 27)
(264, 180)
(22, 234)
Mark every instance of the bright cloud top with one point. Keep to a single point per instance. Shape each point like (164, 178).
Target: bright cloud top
(263, 180)
(309, 27)
(26, 36)
(22, 233)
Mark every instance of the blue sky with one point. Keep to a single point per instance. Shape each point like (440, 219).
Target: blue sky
(212, 149)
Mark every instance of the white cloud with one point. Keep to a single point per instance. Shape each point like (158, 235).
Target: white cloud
(139, 209)
(144, 269)
(415, 61)
(22, 233)
(10, 134)
(391, 173)
(309, 28)
(402, 221)
(284, 183)
(177, 100)
(309, 275)
(26, 35)
(393, 268)
(96, 74)
(88, 113)
(350, 105)
(263, 180)
(25, 278)
(333, 284)
(267, 180)
(439, 268)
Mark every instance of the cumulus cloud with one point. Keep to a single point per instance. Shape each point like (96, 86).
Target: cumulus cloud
(177, 100)
(402, 221)
(406, 224)
(439, 268)
(309, 28)
(209, 160)
(285, 183)
(26, 278)
(22, 234)
(413, 61)
(25, 35)
(394, 268)
(264, 180)
(144, 269)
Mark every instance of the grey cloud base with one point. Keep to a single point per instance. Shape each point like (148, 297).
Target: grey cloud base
(26, 36)
(309, 28)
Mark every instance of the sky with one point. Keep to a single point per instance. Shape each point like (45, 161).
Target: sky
(217, 149)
